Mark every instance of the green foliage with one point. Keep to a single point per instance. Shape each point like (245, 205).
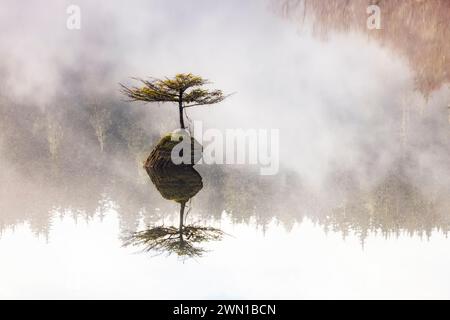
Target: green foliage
(183, 88)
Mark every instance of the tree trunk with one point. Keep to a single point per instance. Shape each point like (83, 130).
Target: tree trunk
(180, 108)
(182, 206)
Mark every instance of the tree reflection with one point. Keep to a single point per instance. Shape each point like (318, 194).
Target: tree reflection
(178, 184)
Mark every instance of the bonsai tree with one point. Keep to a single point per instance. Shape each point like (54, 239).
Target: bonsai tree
(183, 89)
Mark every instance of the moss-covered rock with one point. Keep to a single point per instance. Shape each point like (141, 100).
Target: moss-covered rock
(161, 155)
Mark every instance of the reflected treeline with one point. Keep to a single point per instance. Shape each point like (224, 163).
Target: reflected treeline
(419, 30)
(392, 207)
(396, 204)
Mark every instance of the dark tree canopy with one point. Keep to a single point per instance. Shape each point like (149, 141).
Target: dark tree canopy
(184, 89)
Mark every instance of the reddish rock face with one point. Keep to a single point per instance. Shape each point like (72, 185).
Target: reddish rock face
(416, 29)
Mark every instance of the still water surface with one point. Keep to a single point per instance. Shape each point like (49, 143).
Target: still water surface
(282, 253)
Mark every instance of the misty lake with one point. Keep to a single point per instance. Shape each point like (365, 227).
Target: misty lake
(359, 206)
